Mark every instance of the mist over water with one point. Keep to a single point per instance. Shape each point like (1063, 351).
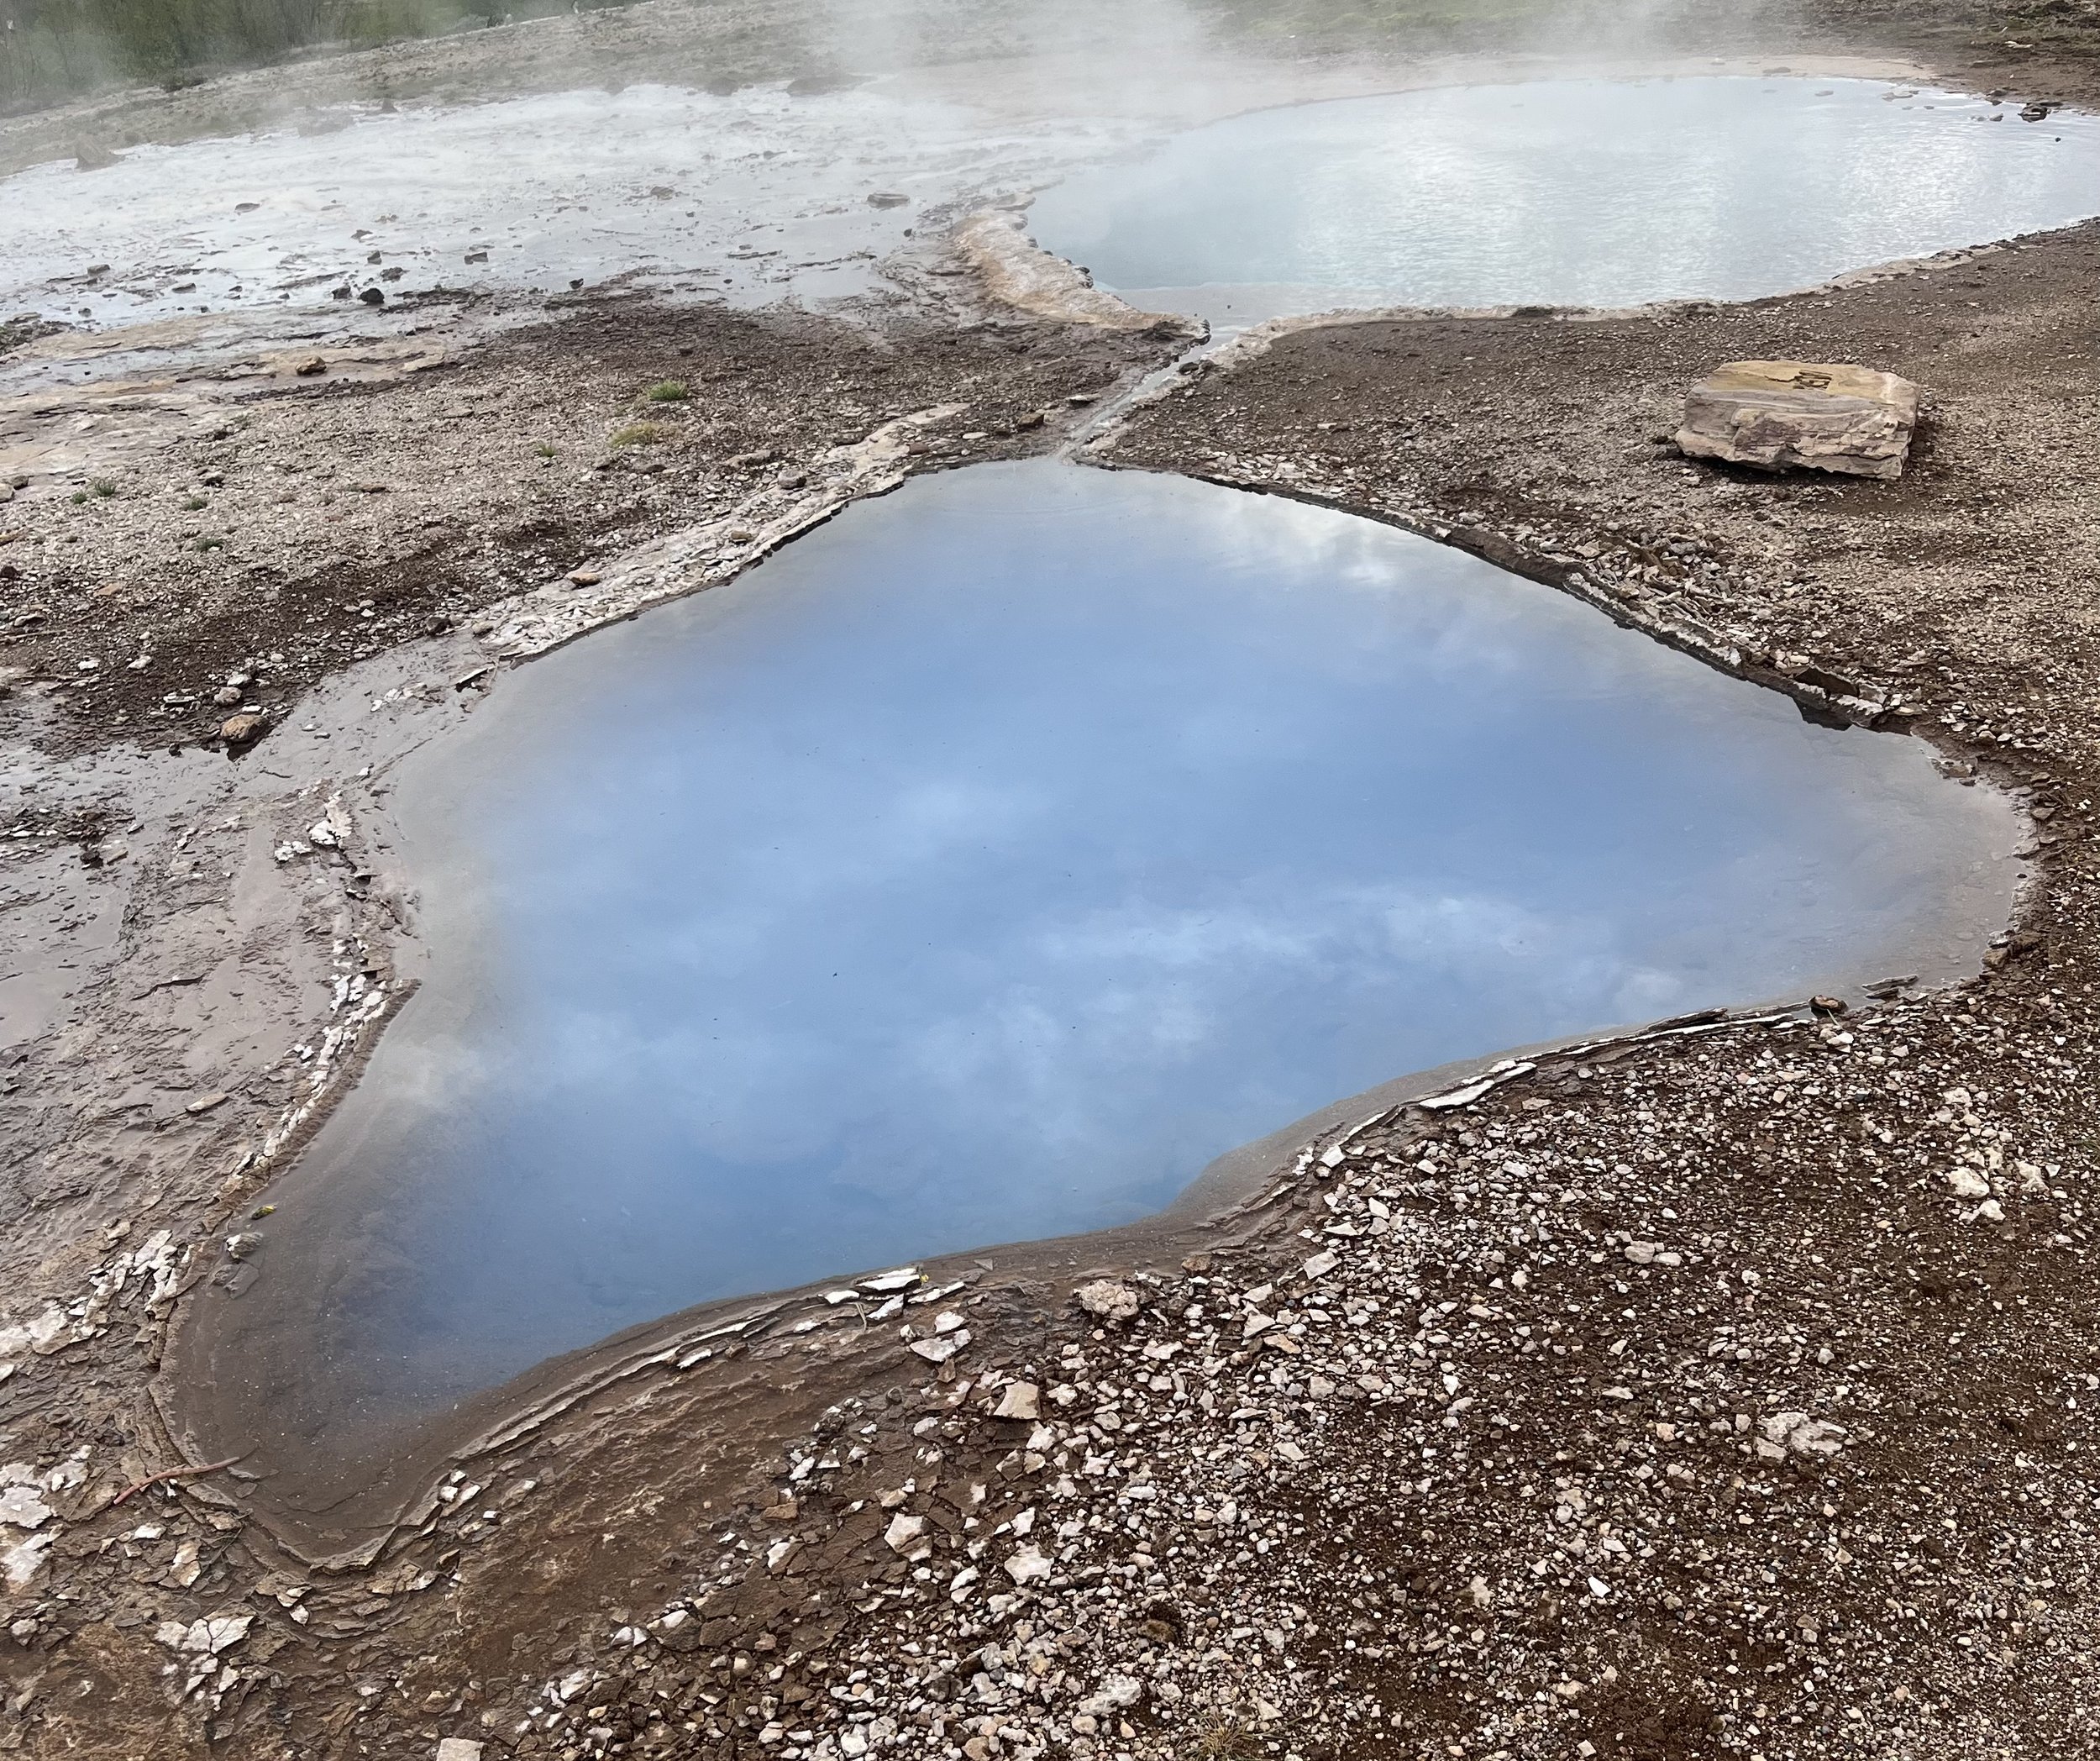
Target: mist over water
(1586, 193)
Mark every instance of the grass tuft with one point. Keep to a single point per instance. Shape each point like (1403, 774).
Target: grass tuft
(639, 434)
(1226, 1739)
(668, 391)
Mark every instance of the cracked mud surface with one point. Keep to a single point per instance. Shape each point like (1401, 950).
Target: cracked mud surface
(1719, 1394)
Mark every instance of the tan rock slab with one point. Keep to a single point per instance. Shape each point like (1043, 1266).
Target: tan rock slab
(1784, 415)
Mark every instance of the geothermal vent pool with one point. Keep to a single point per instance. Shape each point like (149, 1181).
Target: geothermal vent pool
(987, 863)
(1579, 192)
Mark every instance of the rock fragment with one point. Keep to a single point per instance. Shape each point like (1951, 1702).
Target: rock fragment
(22, 1506)
(211, 1636)
(1781, 415)
(1111, 1301)
(1020, 1400)
(1795, 1433)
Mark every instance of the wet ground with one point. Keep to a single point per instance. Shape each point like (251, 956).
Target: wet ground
(1738, 1377)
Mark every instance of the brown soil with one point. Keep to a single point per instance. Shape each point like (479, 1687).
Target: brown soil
(1671, 1401)
(253, 519)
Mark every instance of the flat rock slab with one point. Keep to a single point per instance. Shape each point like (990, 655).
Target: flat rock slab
(1781, 415)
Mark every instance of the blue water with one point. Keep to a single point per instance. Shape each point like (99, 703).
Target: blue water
(988, 862)
(1595, 192)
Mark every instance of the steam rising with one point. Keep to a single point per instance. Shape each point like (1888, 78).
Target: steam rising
(53, 49)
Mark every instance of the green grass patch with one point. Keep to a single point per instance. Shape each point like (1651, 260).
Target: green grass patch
(668, 391)
(639, 434)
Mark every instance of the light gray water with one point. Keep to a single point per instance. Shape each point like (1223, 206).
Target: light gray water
(987, 863)
(1576, 192)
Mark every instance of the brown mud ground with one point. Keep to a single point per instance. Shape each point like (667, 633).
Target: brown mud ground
(1719, 1394)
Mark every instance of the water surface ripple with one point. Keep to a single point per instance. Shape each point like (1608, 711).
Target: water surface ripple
(1576, 192)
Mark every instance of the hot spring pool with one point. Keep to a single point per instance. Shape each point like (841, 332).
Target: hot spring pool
(1576, 192)
(985, 863)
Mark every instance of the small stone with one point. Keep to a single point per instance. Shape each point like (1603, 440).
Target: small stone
(457, 1748)
(905, 1533)
(1117, 1694)
(20, 1564)
(1110, 1301)
(1321, 1263)
(1795, 1433)
(1020, 1400)
(205, 1103)
(311, 368)
(211, 1636)
(887, 198)
(243, 730)
(22, 1506)
(1028, 1566)
(1966, 1183)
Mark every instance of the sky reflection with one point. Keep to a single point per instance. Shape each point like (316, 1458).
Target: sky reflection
(991, 860)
